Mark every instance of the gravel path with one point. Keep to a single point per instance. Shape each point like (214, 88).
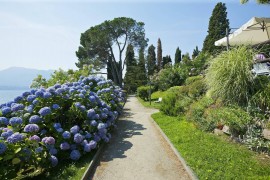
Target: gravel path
(137, 150)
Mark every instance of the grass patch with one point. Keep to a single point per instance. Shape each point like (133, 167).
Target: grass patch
(211, 156)
(69, 170)
(147, 103)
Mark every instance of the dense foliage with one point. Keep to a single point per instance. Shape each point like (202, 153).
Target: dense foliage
(229, 76)
(45, 126)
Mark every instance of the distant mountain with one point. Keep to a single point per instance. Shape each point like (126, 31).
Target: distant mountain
(20, 78)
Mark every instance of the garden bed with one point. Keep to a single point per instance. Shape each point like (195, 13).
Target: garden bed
(212, 156)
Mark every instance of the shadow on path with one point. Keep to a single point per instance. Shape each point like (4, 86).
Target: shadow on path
(126, 128)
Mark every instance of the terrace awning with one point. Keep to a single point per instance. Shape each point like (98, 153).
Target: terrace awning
(255, 31)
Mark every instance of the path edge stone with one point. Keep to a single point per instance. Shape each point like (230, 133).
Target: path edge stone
(93, 162)
(181, 159)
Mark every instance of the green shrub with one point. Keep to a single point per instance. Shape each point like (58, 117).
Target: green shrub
(229, 75)
(261, 98)
(196, 113)
(143, 92)
(158, 94)
(192, 79)
(234, 117)
(197, 88)
(168, 104)
(175, 103)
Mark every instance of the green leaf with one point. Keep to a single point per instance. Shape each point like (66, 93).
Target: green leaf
(8, 157)
(1, 158)
(18, 150)
(16, 161)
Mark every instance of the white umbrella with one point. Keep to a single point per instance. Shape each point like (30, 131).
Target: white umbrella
(256, 30)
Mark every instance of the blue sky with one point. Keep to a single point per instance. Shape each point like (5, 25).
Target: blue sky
(45, 34)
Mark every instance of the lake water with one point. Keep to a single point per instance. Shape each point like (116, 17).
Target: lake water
(9, 95)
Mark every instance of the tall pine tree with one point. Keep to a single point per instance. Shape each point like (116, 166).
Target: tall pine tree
(151, 60)
(178, 56)
(159, 55)
(130, 76)
(216, 29)
(141, 71)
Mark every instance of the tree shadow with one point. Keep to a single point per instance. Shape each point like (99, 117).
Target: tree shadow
(116, 148)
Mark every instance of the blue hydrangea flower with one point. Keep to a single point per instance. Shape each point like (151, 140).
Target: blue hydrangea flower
(8, 104)
(35, 119)
(5, 135)
(93, 144)
(15, 121)
(5, 110)
(55, 106)
(34, 138)
(78, 138)
(92, 99)
(64, 146)
(93, 123)
(54, 161)
(87, 147)
(59, 91)
(91, 113)
(51, 89)
(60, 130)
(75, 129)
(57, 86)
(48, 140)
(66, 135)
(101, 126)
(31, 128)
(53, 151)
(18, 99)
(31, 98)
(77, 104)
(35, 102)
(14, 138)
(45, 111)
(47, 95)
(25, 94)
(33, 91)
(75, 155)
(96, 138)
(39, 93)
(3, 148)
(3, 120)
(88, 135)
(30, 108)
(39, 150)
(71, 90)
(57, 125)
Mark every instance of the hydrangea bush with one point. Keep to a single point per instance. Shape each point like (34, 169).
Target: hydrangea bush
(44, 126)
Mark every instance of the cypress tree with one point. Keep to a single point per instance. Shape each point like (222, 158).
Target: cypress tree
(130, 76)
(141, 71)
(159, 55)
(216, 29)
(177, 57)
(195, 52)
(167, 60)
(151, 60)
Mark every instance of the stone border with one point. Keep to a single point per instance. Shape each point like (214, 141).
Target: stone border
(93, 162)
(181, 159)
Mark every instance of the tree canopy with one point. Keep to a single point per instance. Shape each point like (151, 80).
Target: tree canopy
(159, 55)
(258, 1)
(104, 44)
(216, 29)
(151, 60)
(178, 56)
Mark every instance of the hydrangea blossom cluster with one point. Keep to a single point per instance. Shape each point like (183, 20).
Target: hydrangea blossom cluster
(65, 120)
